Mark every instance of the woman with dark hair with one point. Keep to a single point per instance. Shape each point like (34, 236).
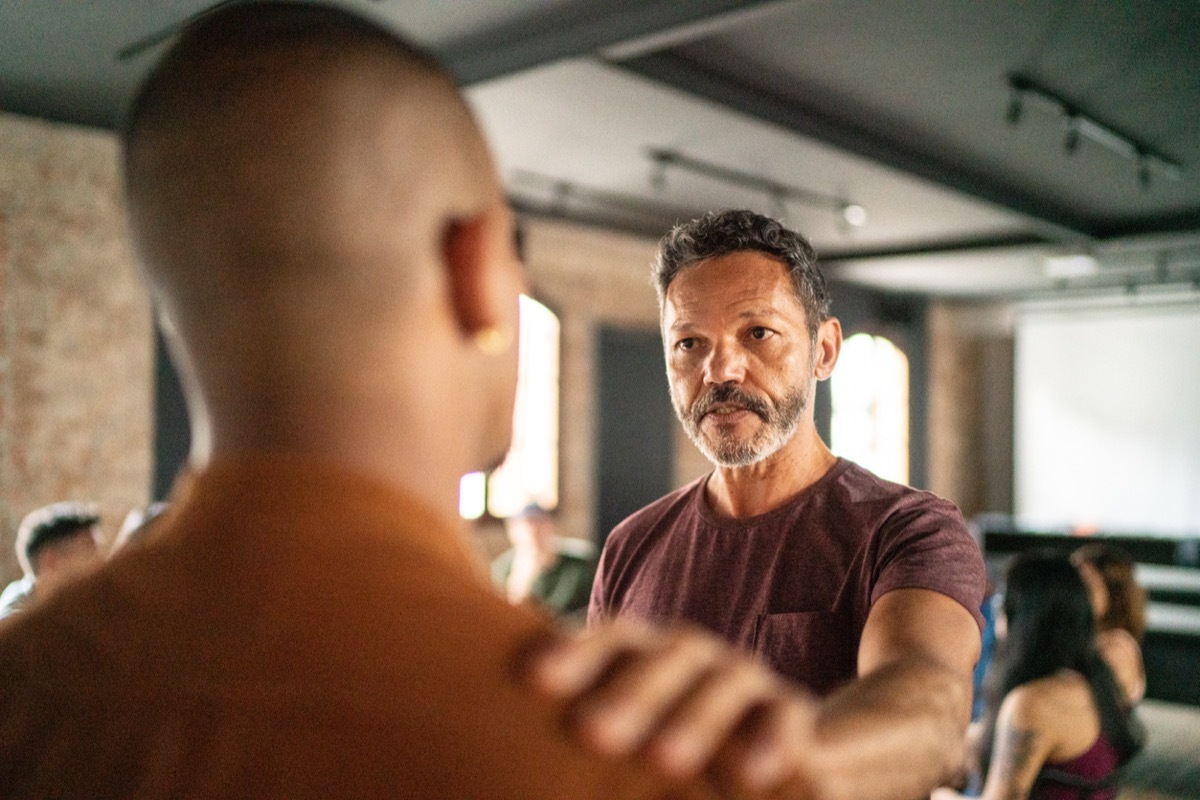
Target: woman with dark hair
(1119, 604)
(1056, 728)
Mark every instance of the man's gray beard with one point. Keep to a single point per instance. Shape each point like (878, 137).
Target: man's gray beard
(781, 422)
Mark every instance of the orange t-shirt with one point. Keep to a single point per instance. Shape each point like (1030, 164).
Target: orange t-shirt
(288, 630)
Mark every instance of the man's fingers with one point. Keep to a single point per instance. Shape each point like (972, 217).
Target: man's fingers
(684, 696)
(773, 743)
(570, 665)
(643, 689)
(709, 716)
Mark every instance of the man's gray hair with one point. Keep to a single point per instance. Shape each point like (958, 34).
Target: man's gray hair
(719, 233)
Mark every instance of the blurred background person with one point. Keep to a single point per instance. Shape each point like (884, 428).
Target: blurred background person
(1119, 603)
(1056, 727)
(555, 571)
(54, 544)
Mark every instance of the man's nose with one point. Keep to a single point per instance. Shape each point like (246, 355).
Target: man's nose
(726, 363)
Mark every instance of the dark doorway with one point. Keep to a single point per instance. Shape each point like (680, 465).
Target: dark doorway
(635, 431)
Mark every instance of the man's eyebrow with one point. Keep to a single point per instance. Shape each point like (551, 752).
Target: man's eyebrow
(750, 313)
(679, 326)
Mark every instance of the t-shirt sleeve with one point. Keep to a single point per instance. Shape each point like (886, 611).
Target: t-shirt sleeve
(926, 545)
(598, 608)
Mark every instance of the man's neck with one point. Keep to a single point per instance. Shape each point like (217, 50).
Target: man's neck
(741, 492)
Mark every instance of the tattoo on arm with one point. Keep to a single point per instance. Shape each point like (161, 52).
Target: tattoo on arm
(1017, 753)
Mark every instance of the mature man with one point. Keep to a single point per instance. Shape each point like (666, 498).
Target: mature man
(55, 544)
(326, 239)
(865, 591)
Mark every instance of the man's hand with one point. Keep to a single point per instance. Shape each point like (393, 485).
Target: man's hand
(684, 700)
(689, 704)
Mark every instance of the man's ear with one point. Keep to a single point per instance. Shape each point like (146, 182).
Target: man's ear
(465, 249)
(478, 266)
(828, 347)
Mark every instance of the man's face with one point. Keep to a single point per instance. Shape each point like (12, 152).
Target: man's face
(739, 356)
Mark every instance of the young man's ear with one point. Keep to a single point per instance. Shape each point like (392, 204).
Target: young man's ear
(484, 279)
(828, 347)
(466, 250)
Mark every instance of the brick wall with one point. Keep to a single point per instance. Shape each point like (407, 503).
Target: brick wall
(76, 343)
(970, 405)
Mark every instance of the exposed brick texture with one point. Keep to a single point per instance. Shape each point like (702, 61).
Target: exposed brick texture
(76, 344)
(970, 405)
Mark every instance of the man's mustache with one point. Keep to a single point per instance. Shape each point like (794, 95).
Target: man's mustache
(729, 394)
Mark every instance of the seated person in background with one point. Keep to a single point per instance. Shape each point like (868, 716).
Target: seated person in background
(1056, 728)
(553, 570)
(1119, 604)
(54, 544)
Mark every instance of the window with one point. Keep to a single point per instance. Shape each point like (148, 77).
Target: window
(529, 473)
(870, 406)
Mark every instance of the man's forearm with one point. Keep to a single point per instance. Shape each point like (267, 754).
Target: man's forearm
(896, 733)
(892, 735)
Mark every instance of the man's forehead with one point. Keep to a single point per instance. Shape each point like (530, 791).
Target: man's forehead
(743, 283)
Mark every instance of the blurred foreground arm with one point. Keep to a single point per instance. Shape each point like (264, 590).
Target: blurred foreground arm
(691, 704)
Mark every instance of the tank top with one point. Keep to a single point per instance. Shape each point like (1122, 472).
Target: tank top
(1088, 776)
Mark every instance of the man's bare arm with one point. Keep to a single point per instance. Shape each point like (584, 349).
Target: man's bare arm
(689, 703)
(898, 730)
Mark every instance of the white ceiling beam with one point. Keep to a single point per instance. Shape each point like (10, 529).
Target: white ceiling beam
(585, 28)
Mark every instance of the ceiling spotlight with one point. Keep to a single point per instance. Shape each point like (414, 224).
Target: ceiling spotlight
(1015, 108)
(658, 176)
(1079, 124)
(1143, 171)
(562, 192)
(1071, 140)
(779, 195)
(854, 214)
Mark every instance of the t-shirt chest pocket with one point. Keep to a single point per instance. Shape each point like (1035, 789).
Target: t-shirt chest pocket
(814, 648)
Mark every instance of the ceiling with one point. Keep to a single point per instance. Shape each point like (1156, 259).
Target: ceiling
(992, 148)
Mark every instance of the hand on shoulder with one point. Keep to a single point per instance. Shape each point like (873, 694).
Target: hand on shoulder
(686, 701)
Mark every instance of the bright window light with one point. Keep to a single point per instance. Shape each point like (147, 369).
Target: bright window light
(529, 473)
(471, 491)
(870, 406)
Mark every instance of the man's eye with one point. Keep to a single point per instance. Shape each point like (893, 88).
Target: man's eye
(760, 333)
(686, 344)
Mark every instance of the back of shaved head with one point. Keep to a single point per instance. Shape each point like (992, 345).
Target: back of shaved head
(318, 216)
(275, 138)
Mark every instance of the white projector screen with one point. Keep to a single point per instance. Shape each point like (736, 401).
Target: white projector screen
(1107, 420)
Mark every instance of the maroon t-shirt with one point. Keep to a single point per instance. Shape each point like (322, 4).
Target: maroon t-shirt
(794, 585)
